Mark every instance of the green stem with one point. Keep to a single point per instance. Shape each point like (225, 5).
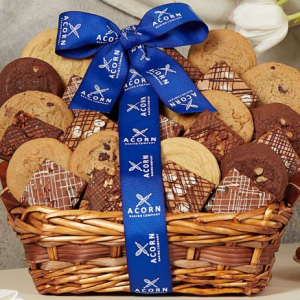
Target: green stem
(281, 2)
(294, 16)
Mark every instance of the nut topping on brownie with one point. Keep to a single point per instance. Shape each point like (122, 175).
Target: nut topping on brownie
(278, 142)
(103, 192)
(214, 134)
(24, 128)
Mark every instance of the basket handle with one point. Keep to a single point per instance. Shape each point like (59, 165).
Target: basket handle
(292, 193)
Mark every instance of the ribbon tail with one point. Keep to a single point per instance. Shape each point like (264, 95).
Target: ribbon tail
(103, 81)
(142, 189)
(170, 82)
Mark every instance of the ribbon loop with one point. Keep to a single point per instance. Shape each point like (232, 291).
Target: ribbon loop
(80, 35)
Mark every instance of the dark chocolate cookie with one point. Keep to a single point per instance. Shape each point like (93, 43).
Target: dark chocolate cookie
(261, 164)
(274, 115)
(25, 74)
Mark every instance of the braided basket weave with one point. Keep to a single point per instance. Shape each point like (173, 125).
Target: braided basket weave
(79, 251)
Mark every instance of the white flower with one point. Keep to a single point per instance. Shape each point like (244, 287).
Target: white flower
(262, 22)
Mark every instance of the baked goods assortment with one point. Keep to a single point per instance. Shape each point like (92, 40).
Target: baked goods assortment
(233, 160)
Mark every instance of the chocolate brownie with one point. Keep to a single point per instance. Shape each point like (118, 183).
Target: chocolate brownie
(261, 164)
(9, 200)
(85, 124)
(103, 192)
(184, 190)
(278, 142)
(53, 186)
(168, 128)
(24, 128)
(24, 74)
(222, 77)
(273, 115)
(214, 134)
(3, 169)
(238, 193)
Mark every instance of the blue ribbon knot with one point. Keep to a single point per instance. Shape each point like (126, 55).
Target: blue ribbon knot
(128, 65)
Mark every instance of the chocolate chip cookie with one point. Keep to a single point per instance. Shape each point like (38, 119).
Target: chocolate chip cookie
(99, 151)
(275, 83)
(28, 74)
(261, 164)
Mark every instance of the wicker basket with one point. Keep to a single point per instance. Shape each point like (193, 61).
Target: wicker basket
(78, 251)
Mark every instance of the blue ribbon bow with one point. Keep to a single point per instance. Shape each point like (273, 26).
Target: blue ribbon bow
(128, 65)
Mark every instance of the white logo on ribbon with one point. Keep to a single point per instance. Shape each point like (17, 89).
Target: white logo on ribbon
(109, 36)
(105, 64)
(74, 29)
(141, 249)
(136, 80)
(113, 65)
(142, 49)
(151, 249)
(189, 105)
(110, 31)
(145, 166)
(134, 74)
(139, 132)
(143, 200)
(164, 17)
(140, 138)
(143, 106)
(143, 208)
(151, 287)
(98, 91)
(161, 74)
(150, 283)
(162, 13)
(133, 106)
(135, 166)
(167, 69)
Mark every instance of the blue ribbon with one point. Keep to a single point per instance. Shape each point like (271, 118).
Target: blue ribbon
(127, 65)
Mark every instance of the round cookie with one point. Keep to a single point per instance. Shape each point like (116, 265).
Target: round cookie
(274, 82)
(25, 74)
(260, 163)
(275, 115)
(42, 46)
(99, 151)
(223, 45)
(44, 106)
(28, 158)
(192, 156)
(185, 120)
(233, 112)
